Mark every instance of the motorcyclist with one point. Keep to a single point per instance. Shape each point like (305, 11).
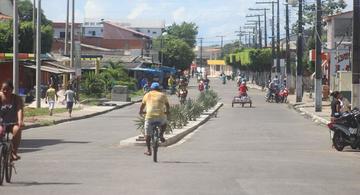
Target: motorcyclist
(272, 89)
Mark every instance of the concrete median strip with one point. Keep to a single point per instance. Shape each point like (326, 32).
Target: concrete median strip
(85, 116)
(177, 134)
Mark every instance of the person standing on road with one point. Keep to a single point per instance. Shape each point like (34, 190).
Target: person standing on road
(70, 99)
(157, 110)
(12, 111)
(50, 98)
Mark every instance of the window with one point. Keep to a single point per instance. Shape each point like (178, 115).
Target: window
(92, 23)
(62, 34)
(102, 30)
(98, 23)
(86, 23)
(148, 31)
(154, 33)
(93, 33)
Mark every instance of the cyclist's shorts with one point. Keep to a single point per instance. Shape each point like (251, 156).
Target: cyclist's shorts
(149, 127)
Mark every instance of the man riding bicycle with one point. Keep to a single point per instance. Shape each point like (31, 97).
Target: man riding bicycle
(11, 111)
(157, 109)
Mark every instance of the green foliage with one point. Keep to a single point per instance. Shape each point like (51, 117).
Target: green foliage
(177, 53)
(25, 8)
(251, 59)
(185, 31)
(26, 31)
(93, 84)
(181, 114)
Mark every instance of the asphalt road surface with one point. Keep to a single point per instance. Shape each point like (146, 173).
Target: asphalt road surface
(267, 149)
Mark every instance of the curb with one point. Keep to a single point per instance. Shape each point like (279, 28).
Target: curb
(300, 109)
(310, 115)
(55, 122)
(178, 134)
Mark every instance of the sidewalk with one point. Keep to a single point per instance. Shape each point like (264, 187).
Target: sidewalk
(80, 112)
(307, 107)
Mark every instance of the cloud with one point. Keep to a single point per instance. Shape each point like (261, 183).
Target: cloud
(180, 15)
(94, 9)
(138, 10)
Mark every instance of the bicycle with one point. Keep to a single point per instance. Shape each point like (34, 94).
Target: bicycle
(155, 137)
(6, 147)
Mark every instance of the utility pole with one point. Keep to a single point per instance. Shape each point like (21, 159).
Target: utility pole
(259, 23)
(278, 41)
(72, 53)
(240, 35)
(201, 60)
(252, 26)
(15, 47)
(288, 63)
(222, 42)
(265, 21)
(355, 97)
(34, 26)
(38, 55)
(272, 28)
(66, 52)
(318, 71)
(299, 67)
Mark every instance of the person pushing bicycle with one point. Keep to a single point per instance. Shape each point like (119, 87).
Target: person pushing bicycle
(157, 109)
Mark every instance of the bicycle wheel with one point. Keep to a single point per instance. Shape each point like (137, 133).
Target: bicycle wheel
(2, 167)
(8, 163)
(155, 145)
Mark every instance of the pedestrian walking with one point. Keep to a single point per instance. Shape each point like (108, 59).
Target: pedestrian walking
(70, 99)
(50, 98)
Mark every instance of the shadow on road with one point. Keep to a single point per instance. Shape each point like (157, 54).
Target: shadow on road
(183, 162)
(34, 183)
(33, 145)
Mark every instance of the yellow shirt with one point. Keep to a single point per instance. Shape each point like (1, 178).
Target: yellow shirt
(51, 94)
(155, 102)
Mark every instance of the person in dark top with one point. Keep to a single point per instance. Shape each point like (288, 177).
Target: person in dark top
(11, 111)
(335, 105)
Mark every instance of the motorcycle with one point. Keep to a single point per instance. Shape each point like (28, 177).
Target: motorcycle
(283, 94)
(273, 96)
(346, 130)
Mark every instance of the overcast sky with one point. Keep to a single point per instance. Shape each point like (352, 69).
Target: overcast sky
(214, 17)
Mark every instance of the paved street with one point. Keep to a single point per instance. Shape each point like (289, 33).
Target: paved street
(268, 149)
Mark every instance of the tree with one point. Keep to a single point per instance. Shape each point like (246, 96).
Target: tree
(25, 31)
(25, 8)
(185, 31)
(177, 53)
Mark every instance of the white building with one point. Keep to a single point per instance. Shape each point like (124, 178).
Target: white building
(93, 28)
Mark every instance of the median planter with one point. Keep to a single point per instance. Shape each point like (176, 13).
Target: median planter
(182, 114)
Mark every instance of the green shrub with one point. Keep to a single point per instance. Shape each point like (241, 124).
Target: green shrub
(181, 114)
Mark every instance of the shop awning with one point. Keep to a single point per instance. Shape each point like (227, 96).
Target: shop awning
(216, 62)
(51, 69)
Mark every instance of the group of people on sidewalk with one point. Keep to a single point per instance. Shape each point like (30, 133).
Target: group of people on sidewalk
(52, 97)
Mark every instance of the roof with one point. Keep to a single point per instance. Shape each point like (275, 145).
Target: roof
(216, 62)
(51, 69)
(340, 14)
(4, 17)
(117, 25)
